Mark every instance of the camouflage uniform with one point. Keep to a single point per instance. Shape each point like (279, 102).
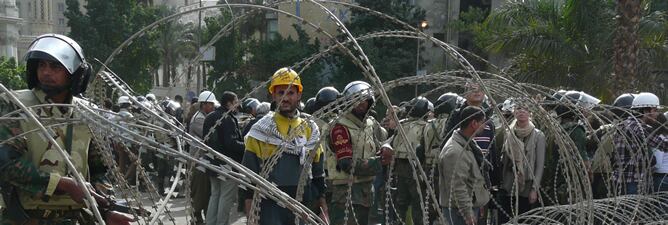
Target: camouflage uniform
(434, 133)
(30, 168)
(352, 140)
(406, 194)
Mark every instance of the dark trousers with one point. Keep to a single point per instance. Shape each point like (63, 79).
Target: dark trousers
(273, 214)
(599, 185)
(200, 191)
(660, 182)
(509, 207)
(406, 195)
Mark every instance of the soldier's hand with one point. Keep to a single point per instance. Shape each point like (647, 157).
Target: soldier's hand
(118, 218)
(76, 192)
(386, 156)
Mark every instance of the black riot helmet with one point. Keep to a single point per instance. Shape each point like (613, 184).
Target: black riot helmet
(558, 95)
(249, 104)
(418, 107)
(565, 106)
(447, 103)
(622, 104)
(310, 106)
(325, 96)
(171, 107)
(552, 101)
(61, 49)
(624, 101)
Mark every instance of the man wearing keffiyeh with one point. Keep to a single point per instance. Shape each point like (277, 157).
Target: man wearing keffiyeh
(295, 138)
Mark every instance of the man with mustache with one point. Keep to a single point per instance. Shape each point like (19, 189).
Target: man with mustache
(296, 139)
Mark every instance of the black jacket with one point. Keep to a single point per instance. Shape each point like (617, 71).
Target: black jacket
(226, 138)
(250, 124)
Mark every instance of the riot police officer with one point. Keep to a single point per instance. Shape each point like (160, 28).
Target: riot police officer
(357, 158)
(36, 185)
(407, 193)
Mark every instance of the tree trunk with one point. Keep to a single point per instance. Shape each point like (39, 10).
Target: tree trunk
(165, 72)
(626, 45)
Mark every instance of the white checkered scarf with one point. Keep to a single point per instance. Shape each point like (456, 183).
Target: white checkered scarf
(266, 130)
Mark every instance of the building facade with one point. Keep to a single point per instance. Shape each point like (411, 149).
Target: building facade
(9, 29)
(39, 17)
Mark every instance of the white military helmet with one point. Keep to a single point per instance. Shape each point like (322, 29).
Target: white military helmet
(645, 100)
(66, 52)
(150, 97)
(124, 99)
(263, 108)
(207, 96)
(358, 86)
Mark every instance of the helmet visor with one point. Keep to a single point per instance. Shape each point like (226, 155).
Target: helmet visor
(57, 49)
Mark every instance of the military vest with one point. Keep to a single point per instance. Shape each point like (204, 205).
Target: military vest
(606, 148)
(414, 129)
(46, 157)
(364, 146)
(433, 138)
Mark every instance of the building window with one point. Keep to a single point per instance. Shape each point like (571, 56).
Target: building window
(272, 29)
(61, 7)
(18, 6)
(61, 21)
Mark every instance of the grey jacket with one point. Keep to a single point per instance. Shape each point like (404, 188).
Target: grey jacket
(461, 183)
(197, 124)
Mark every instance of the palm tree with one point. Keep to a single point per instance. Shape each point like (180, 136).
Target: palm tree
(570, 42)
(176, 43)
(626, 45)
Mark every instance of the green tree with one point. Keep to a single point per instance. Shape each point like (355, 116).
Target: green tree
(176, 43)
(391, 57)
(226, 74)
(11, 74)
(105, 26)
(569, 43)
(270, 55)
(241, 61)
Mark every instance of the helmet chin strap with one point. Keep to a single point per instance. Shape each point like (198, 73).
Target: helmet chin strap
(51, 90)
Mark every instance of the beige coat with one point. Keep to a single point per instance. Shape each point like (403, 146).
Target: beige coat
(461, 184)
(534, 159)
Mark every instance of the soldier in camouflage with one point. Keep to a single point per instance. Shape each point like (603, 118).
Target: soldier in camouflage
(357, 159)
(407, 188)
(36, 185)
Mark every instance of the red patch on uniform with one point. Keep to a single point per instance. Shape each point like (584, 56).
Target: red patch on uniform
(341, 143)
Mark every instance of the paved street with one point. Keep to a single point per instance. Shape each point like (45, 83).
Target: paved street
(177, 209)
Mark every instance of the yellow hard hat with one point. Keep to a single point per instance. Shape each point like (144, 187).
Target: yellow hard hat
(285, 76)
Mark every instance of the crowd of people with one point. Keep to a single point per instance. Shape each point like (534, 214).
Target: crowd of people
(483, 167)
